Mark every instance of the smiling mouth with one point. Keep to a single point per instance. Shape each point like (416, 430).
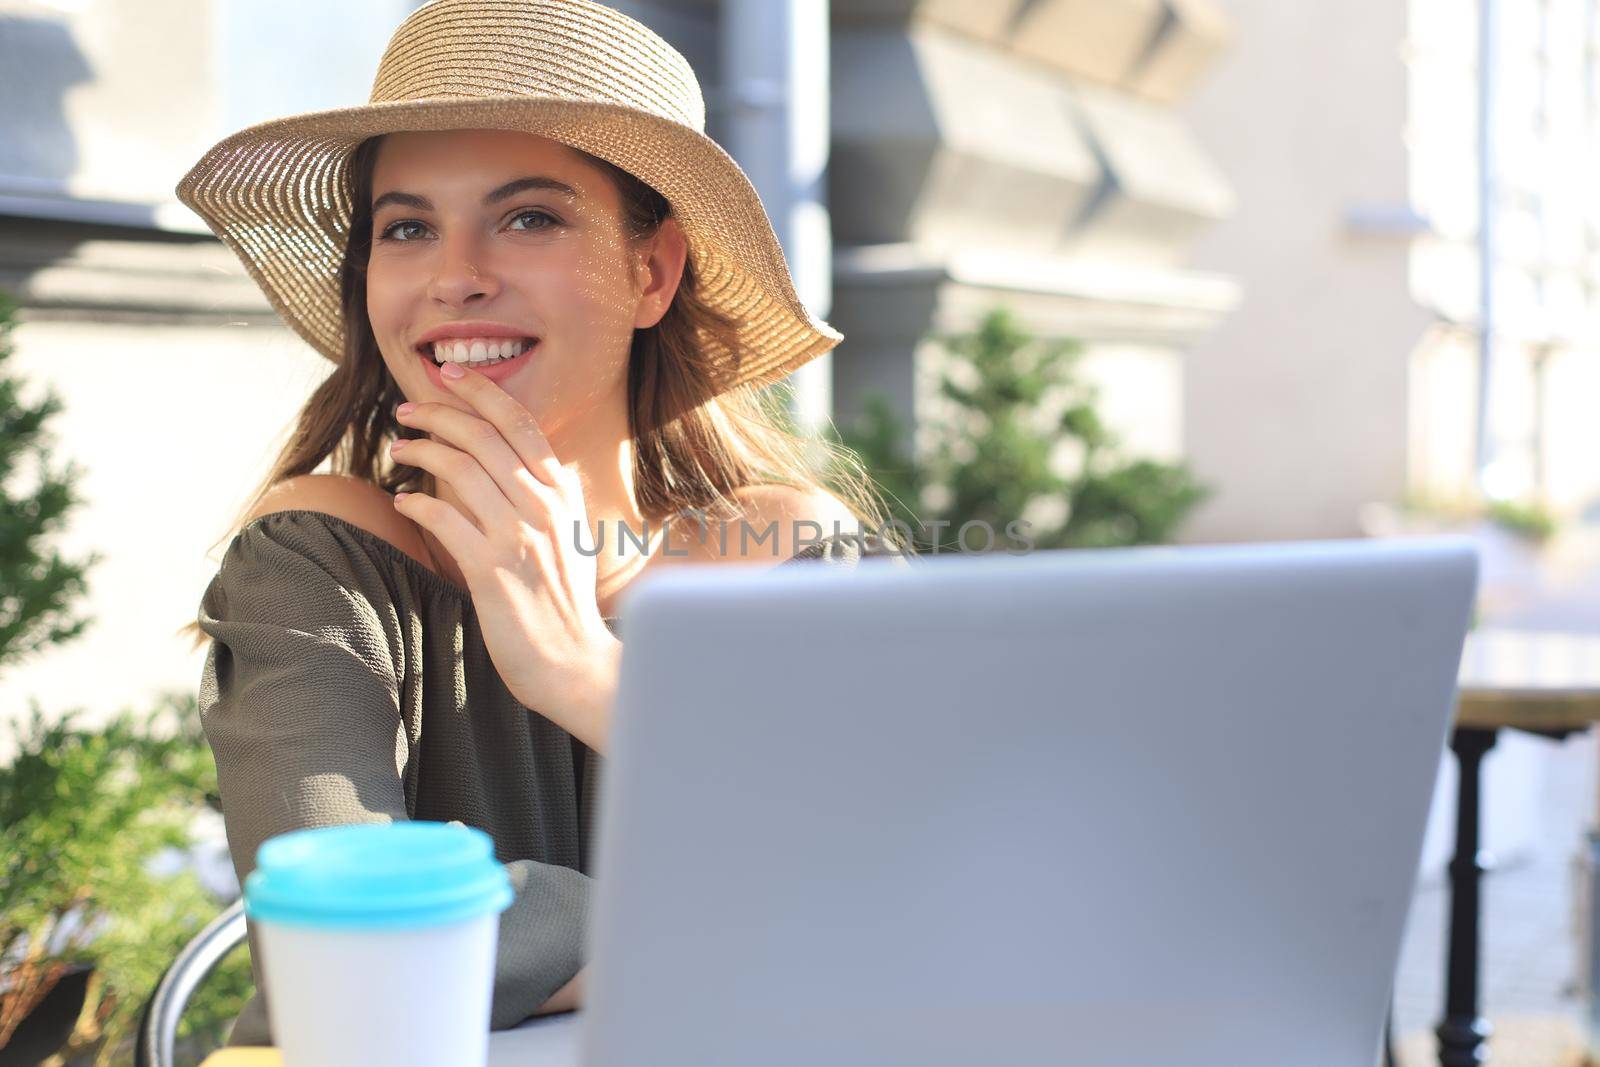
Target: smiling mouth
(477, 352)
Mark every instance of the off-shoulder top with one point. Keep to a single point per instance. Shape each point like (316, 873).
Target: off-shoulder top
(348, 682)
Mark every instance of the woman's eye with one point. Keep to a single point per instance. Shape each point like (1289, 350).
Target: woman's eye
(389, 231)
(393, 231)
(549, 219)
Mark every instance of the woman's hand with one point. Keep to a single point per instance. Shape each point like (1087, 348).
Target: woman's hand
(532, 590)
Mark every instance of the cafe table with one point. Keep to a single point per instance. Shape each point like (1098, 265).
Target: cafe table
(1539, 682)
(542, 1041)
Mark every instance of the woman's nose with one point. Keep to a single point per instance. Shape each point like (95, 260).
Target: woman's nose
(458, 280)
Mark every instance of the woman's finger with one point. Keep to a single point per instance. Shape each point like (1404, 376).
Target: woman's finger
(464, 541)
(465, 474)
(483, 442)
(514, 421)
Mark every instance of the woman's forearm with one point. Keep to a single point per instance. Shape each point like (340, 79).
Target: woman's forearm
(586, 714)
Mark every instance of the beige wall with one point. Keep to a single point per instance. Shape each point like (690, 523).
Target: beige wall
(1444, 397)
(1295, 407)
(171, 426)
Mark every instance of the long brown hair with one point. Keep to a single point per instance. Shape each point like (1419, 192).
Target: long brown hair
(693, 447)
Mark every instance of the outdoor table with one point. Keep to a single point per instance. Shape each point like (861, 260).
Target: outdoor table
(1541, 683)
(541, 1041)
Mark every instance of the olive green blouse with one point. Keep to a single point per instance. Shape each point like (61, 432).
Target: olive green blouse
(348, 682)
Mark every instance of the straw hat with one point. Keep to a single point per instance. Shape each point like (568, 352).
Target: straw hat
(574, 71)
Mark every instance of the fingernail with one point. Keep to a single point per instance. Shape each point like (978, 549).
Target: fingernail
(405, 409)
(453, 370)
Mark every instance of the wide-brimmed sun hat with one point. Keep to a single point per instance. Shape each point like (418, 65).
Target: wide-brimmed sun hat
(279, 193)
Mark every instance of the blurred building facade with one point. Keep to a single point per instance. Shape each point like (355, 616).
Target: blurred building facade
(1351, 133)
(1543, 198)
(1024, 153)
(1348, 374)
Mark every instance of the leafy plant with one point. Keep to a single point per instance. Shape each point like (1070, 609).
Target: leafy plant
(1014, 408)
(1527, 520)
(90, 814)
(35, 585)
(87, 812)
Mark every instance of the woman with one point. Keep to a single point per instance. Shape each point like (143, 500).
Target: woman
(530, 182)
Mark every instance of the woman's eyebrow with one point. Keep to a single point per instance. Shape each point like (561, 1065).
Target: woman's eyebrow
(509, 189)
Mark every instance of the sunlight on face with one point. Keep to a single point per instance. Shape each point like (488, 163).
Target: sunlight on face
(550, 265)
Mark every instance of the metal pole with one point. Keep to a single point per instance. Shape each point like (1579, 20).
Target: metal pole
(775, 81)
(1486, 249)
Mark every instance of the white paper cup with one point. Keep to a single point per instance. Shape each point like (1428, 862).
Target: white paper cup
(378, 943)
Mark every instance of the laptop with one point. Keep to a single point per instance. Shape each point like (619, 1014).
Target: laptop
(1125, 806)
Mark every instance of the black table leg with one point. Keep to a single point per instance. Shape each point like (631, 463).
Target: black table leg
(1463, 1035)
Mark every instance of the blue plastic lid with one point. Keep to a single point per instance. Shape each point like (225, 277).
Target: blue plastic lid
(377, 876)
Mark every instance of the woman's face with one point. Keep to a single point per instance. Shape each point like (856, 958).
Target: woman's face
(459, 237)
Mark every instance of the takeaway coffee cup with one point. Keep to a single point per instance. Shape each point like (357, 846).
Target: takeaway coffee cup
(378, 943)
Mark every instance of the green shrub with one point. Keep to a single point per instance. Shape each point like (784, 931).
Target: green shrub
(1532, 521)
(90, 813)
(1528, 519)
(990, 458)
(37, 584)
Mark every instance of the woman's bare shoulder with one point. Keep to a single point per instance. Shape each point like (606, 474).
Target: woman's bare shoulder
(787, 505)
(352, 499)
(766, 528)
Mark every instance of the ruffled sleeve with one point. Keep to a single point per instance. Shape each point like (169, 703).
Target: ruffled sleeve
(300, 701)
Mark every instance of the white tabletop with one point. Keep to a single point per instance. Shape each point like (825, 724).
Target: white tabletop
(541, 1041)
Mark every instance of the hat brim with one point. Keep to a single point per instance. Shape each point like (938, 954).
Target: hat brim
(277, 193)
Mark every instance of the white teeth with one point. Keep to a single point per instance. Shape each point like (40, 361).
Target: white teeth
(477, 350)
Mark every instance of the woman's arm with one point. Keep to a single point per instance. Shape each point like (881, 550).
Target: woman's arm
(299, 699)
(586, 714)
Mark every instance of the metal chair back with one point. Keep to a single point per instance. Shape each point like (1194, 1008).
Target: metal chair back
(158, 1028)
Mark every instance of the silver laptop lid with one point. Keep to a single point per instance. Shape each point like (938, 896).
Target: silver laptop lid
(1148, 805)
